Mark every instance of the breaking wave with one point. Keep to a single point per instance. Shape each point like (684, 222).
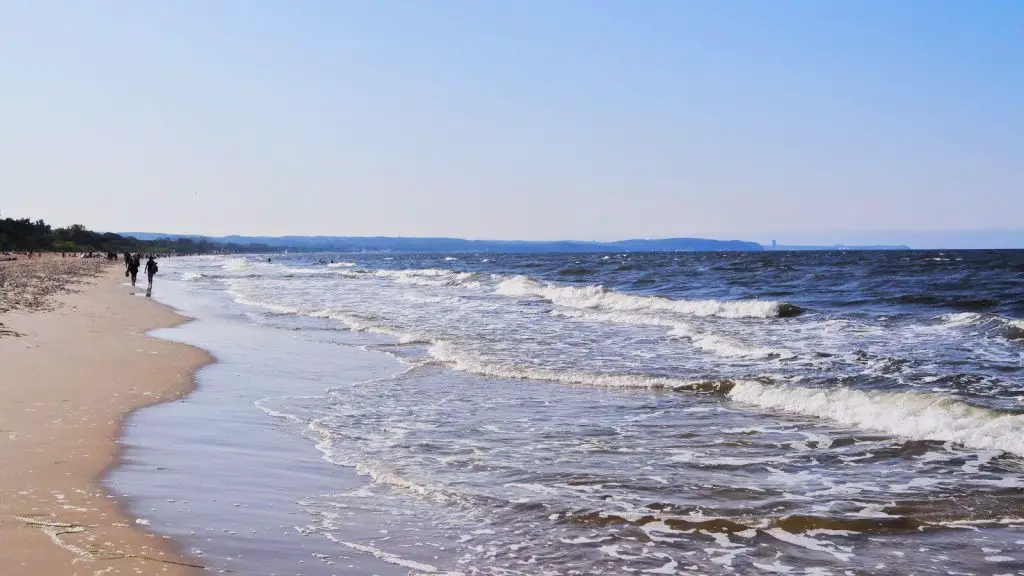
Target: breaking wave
(431, 277)
(603, 298)
(1009, 328)
(715, 344)
(912, 415)
(446, 353)
(235, 264)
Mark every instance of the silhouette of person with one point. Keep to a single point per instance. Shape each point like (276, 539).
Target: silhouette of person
(133, 268)
(151, 270)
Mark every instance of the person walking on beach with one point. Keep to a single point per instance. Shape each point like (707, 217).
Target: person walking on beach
(133, 268)
(151, 269)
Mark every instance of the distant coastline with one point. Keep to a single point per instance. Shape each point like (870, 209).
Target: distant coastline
(26, 235)
(453, 245)
(442, 245)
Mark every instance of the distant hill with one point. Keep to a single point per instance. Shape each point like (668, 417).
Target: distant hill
(390, 244)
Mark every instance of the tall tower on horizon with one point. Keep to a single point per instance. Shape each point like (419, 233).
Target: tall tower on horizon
(774, 245)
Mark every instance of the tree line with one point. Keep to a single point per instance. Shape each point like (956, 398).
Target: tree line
(26, 235)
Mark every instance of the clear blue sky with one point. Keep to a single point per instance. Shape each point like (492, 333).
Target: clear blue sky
(801, 120)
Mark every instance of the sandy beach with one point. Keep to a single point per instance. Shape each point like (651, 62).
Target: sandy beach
(74, 360)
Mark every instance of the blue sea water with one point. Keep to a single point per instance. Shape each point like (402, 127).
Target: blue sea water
(712, 413)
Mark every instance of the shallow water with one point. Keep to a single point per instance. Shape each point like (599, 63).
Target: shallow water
(597, 414)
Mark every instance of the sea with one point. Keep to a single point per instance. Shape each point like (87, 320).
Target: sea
(813, 413)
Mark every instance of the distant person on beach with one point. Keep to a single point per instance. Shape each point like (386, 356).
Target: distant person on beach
(151, 269)
(133, 267)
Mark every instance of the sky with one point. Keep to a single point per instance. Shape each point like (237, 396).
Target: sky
(799, 120)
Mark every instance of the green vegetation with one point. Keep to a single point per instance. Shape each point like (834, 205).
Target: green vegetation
(24, 235)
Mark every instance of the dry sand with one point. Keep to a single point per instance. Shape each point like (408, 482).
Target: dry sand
(31, 283)
(80, 362)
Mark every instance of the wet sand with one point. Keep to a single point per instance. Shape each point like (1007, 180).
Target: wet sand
(231, 482)
(72, 366)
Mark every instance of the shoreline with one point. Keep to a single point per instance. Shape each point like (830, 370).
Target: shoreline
(311, 448)
(173, 551)
(72, 377)
(223, 477)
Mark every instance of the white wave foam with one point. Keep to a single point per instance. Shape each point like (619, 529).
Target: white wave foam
(603, 298)
(535, 488)
(353, 322)
(383, 475)
(341, 264)
(325, 445)
(261, 404)
(429, 277)
(913, 415)
(235, 264)
(240, 298)
(303, 271)
(388, 557)
(360, 324)
(962, 319)
(446, 353)
(718, 345)
(189, 276)
(842, 553)
(349, 273)
(1011, 328)
(416, 272)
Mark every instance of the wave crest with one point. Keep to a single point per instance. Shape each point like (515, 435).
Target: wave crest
(431, 277)
(444, 352)
(1009, 328)
(913, 415)
(603, 298)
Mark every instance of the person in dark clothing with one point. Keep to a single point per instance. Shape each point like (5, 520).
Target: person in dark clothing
(151, 269)
(133, 268)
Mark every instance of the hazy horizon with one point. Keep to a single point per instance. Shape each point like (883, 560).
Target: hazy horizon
(917, 239)
(923, 240)
(805, 122)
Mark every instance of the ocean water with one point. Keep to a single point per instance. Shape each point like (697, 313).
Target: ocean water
(708, 413)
